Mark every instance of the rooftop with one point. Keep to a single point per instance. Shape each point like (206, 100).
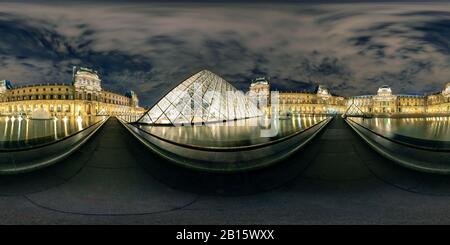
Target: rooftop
(85, 69)
(260, 80)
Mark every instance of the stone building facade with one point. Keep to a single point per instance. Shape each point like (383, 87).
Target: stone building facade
(383, 103)
(84, 96)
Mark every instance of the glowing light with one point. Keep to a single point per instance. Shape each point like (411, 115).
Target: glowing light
(79, 123)
(55, 129)
(19, 127)
(26, 128)
(12, 128)
(65, 126)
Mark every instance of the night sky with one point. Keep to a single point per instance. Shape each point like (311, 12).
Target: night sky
(150, 47)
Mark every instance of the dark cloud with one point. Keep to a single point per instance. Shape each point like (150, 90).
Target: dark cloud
(360, 40)
(430, 13)
(334, 17)
(47, 55)
(149, 47)
(435, 33)
(24, 41)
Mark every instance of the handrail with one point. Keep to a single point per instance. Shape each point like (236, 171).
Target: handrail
(235, 148)
(401, 142)
(49, 143)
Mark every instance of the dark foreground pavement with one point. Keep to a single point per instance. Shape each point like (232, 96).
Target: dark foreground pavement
(337, 179)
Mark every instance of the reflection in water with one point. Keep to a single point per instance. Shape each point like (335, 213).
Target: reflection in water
(26, 133)
(233, 133)
(19, 127)
(427, 128)
(80, 123)
(6, 127)
(54, 128)
(23, 132)
(65, 126)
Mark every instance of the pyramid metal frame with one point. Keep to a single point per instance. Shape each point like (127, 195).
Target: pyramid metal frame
(202, 98)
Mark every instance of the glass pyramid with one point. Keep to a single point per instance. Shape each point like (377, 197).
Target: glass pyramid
(202, 98)
(354, 110)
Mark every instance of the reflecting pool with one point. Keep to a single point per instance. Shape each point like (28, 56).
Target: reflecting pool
(231, 146)
(21, 132)
(427, 131)
(245, 132)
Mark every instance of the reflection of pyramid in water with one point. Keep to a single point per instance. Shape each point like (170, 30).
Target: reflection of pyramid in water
(203, 97)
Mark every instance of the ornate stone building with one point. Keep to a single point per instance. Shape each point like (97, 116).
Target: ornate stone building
(439, 102)
(84, 96)
(384, 103)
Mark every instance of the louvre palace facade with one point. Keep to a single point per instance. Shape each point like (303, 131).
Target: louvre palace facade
(322, 101)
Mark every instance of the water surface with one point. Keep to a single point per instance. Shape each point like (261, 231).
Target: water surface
(235, 133)
(426, 131)
(21, 132)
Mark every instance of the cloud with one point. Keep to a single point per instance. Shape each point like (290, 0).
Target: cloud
(150, 47)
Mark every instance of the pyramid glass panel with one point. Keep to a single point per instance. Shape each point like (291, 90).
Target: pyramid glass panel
(202, 98)
(146, 119)
(154, 113)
